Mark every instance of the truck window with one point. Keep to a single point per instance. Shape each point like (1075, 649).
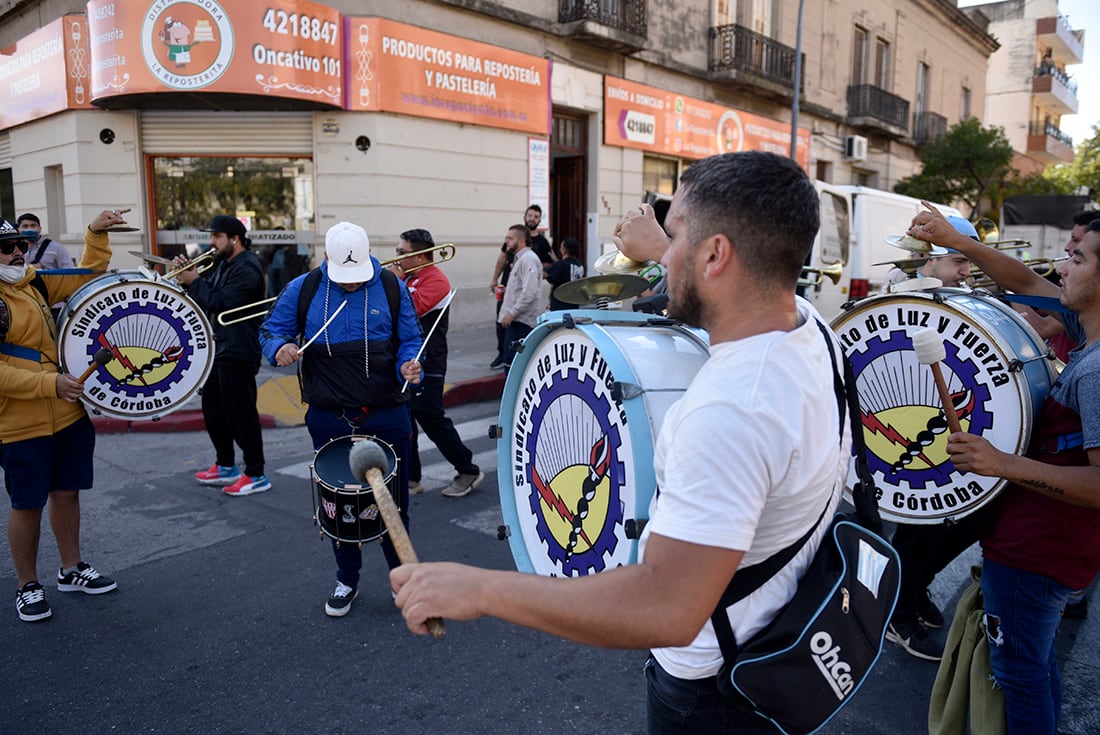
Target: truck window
(834, 229)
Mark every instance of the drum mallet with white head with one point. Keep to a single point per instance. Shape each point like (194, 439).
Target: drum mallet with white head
(367, 460)
(928, 345)
(101, 358)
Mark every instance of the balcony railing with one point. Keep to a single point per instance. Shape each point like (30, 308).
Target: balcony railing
(1051, 131)
(736, 48)
(628, 16)
(871, 106)
(928, 127)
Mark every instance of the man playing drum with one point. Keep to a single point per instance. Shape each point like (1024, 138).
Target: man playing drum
(1045, 541)
(46, 438)
(746, 461)
(229, 396)
(352, 375)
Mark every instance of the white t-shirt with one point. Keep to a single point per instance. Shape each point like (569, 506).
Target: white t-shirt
(748, 460)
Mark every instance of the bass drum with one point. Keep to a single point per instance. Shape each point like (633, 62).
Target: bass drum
(160, 344)
(997, 373)
(345, 508)
(583, 403)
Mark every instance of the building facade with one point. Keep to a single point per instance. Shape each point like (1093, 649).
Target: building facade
(452, 115)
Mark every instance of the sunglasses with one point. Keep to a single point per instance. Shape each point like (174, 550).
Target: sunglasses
(7, 248)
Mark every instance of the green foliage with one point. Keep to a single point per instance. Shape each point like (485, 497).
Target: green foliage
(968, 163)
(1084, 172)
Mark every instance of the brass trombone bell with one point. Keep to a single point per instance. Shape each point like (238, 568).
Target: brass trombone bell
(196, 263)
(832, 272)
(988, 232)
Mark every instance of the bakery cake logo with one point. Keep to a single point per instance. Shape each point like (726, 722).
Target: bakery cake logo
(187, 44)
(904, 426)
(569, 438)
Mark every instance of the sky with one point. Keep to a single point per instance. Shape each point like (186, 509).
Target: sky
(1081, 14)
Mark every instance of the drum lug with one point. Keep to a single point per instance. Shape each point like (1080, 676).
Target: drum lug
(1015, 365)
(496, 431)
(567, 321)
(633, 527)
(503, 533)
(621, 391)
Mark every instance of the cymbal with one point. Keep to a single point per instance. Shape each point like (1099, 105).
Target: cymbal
(599, 289)
(906, 264)
(914, 245)
(615, 263)
(122, 228)
(150, 258)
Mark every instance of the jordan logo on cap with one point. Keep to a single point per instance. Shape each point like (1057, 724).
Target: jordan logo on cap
(350, 259)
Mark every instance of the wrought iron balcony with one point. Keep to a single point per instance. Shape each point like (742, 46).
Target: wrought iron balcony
(1047, 143)
(620, 25)
(872, 107)
(928, 127)
(747, 58)
(1055, 89)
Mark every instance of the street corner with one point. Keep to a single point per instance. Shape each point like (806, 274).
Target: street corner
(488, 388)
(280, 398)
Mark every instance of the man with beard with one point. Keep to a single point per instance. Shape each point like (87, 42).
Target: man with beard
(747, 461)
(1045, 540)
(229, 395)
(46, 438)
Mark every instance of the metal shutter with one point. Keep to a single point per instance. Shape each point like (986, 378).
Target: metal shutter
(213, 132)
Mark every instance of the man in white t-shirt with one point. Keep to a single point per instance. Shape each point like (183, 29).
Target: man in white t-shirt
(746, 462)
(522, 301)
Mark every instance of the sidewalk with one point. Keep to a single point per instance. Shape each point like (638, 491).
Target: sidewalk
(469, 379)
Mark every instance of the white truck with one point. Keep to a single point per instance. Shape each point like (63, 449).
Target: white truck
(855, 222)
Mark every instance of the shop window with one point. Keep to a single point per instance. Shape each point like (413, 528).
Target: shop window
(659, 175)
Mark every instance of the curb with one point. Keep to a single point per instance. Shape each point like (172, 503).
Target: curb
(489, 388)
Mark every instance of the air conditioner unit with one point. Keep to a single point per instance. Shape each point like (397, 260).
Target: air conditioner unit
(855, 148)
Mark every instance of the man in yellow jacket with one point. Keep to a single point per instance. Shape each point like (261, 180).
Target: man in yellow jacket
(46, 438)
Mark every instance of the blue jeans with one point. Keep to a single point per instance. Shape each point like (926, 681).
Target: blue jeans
(1022, 613)
(391, 425)
(677, 706)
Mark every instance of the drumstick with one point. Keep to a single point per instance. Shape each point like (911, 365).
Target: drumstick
(930, 351)
(366, 460)
(323, 327)
(424, 343)
(101, 358)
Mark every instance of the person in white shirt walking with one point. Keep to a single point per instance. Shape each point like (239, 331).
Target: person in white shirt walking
(521, 305)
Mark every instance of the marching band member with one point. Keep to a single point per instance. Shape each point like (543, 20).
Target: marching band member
(229, 395)
(746, 461)
(352, 375)
(46, 438)
(428, 287)
(1045, 542)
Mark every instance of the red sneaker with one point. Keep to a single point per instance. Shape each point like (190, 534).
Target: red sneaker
(218, 475)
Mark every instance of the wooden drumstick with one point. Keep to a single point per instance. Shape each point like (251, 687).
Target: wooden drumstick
(101, 358)
(367, 460)
(930, 351)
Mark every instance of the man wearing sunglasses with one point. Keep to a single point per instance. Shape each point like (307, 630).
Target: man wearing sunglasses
(46, 438)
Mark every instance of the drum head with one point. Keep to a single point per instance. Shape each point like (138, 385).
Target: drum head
(345, 507)
(160, 344)
(994, 372)
(331, 464)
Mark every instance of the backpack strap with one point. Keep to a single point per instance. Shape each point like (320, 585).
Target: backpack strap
(313, 282)
(40, 285)
(393, 297)
(41, 251)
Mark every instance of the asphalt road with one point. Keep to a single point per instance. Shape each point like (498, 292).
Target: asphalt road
(218, 622)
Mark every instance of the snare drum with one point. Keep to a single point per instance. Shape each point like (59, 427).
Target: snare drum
(344, 505)
(996, 370)
(583, 403)
(160, 343)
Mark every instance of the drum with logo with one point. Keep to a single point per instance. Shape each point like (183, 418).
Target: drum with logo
(582, 406)
(997, 373)
(160, 344)
(345, 508)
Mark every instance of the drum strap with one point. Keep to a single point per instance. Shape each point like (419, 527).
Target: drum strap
(23, 353)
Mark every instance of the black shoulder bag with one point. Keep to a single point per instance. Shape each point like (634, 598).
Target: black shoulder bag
(805, 665)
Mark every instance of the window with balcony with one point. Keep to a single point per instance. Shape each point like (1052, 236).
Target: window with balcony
(924, 87)
(859, 56)
(882, 64)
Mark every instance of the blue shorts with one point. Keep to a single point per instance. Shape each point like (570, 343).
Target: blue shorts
(34, 467)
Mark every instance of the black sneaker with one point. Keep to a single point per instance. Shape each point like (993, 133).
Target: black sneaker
(84, 579)
(496, 363)
(339, 604)
(30, 603)
(928, 613)
(914, 638)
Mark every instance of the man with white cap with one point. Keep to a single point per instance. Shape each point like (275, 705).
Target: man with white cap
(352, 375)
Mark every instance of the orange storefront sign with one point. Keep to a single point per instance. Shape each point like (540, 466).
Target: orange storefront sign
(45, 72)
(637, 116)
(280, 48)
(393, 67)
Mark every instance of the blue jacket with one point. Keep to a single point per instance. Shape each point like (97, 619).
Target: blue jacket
(348, 366)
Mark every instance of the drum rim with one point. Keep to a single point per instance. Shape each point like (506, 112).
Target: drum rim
(365, 489)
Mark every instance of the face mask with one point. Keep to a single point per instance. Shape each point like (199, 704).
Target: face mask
(12, 273)
(31, 235)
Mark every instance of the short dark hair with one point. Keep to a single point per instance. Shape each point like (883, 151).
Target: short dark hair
(570, 245)
(535, 207)
(1086, 216)
(764, 203)
(31, 216)
(1093, 226)
(419, 239)
(526, 232)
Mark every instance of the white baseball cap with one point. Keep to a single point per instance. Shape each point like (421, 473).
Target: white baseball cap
(347, 249)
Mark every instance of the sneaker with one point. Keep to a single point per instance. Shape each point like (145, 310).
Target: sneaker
(928, 613)
(415, 488)
(463, 484)
(1077, 609)
(246, 485)
(218, 475)
(497, 363)
(84, 579)
(339, 603)
(30, 603)
(914, 638)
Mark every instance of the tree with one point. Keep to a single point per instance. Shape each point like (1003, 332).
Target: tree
(1084, 172)
(968, 163)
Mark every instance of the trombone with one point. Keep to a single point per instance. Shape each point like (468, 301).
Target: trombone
(1041, 266)
(832, 272)
(197, 262)
(258, 309)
